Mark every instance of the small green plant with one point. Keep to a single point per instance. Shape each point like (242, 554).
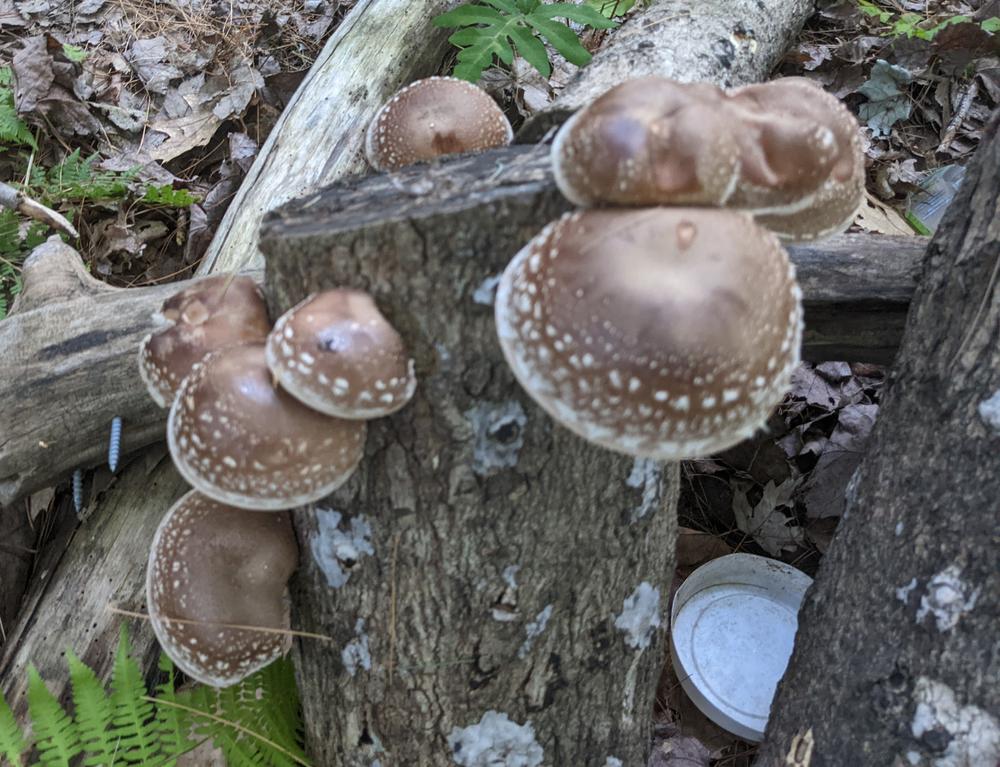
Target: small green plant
(254, 723)
(75, 179)
(611, 9)
(167, 196)
(915, 25)
(498, 27)
(13, 129)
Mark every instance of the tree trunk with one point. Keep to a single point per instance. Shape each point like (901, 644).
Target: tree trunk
(727, 42)
(491, 565)
(896, 661)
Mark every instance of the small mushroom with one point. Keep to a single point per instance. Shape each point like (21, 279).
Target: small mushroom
(236, 436)
(211, 314)
(434, 117)
(213, 568)
(336, 353)
(648, 141)
(667, 333)
(802, 169)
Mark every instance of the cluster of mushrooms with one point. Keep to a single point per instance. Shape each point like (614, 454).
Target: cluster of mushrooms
(662, 322)
(261, 420)
(671, 332)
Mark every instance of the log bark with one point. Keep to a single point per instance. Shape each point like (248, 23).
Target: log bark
(493, 551)
(75, 355)
(915, 558)
(728, 42)
(379, 46)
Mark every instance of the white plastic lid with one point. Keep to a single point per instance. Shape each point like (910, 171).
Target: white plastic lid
(732, 628)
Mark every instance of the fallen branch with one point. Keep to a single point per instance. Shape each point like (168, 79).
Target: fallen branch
(16, 200)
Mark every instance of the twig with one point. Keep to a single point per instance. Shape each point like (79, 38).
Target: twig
(240, 626)
(16, 200)
(964, 105)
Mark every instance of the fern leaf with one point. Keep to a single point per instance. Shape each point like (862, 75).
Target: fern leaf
(12, 742)
(172, 724)
(562, 38)
(56, 737)
(93, 713)
(132, 721)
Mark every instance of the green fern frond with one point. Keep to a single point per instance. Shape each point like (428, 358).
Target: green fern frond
(132, 721)
(12, 742)
(173, 725)
(56, 736)
(93, 713)
(12, 127)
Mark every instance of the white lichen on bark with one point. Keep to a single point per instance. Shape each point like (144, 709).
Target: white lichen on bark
(645, 476)
(947, 598)
(640, 616)
(972, 735)
(989, 411)
(534, 630)
(495, 740)
(356, 653)
(336, 551)
(487, 291)
(498, 434)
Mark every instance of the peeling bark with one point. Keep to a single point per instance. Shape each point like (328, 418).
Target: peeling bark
(896, 661)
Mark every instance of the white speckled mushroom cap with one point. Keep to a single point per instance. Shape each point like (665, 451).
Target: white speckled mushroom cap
(802, 169)
(786, 151)
(336, 353)
(433, 117)
(213, 313)
(212, 567)
(667, 333)
(648, 141)
(240, 439)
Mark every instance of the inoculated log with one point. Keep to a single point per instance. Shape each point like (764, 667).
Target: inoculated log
(896, 661)
(484, 574)
(727, 42)
(75, 355)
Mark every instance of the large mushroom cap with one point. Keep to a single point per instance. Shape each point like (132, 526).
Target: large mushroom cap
(337, 353)
(211, 314)
(240, 439)
(648, 141)
(211, 568)
(802, 169)
(434, 117)
(664, 332)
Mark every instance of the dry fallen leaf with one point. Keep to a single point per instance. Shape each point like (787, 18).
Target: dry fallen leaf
(694, 548)
(876, 216)
(765, 522)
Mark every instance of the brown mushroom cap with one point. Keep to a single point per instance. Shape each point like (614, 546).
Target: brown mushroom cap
(434, 117)
(337, 353)
(240, 439)
(648, 141)
(802, 170)
(664, 332)
(785, 150)
(211, 314)
(213, 567)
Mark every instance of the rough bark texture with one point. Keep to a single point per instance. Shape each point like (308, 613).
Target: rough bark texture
(17, 542)
(380, 46)
(728, 42)
(501, 547)
(896, 661)
(84, 570)
(857, 288)
(70, 347)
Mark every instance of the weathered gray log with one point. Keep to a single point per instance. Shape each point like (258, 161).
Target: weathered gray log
(17, 550)
(897, 661)
(379, 46)
(75, 356)
(728, 42)
(69, 357)
(82, 572)
(492, 551)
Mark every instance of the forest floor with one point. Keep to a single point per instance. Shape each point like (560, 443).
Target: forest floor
(138, 119)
